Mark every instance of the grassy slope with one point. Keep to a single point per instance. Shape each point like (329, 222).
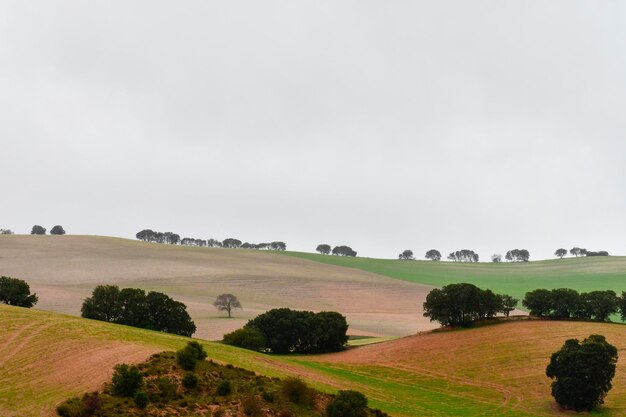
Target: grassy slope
(582, 274)
(490, 371)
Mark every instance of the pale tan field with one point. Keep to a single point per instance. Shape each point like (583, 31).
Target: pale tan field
(63, 270)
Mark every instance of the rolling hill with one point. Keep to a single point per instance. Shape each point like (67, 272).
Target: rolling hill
(496, 370)
(582, 274)
(63, 270)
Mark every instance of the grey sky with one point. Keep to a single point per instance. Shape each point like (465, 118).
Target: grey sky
(383, 125)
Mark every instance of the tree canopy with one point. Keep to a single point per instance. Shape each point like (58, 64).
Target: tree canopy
(38, 230)
(57, 230)
(517, 255)
(343, 251)
(133, 307)
(433, 255)
(323, 249)
(463, 255)
(560, 253)
(564, 303)
(16, 292)
(406, 254)
(582, 372)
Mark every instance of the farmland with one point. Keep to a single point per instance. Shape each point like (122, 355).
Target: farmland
(63, 270)
(581, 274)
(496, 370)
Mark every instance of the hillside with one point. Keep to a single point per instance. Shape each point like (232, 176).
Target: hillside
(582, 274)
(496, 370)
(63, 270)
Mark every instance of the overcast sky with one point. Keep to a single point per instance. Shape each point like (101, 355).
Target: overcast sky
(383, 125)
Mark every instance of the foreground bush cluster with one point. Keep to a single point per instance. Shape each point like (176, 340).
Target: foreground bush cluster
(282, 330)
(164, 386)
(133, 307)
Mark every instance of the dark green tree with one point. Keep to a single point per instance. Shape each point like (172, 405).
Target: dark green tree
(38, 230)
(406, 254)
(453, 305)
(331, 328)
(133, 308)
(539, 302)
(168, 315)
(508, 304)
(104, 304)
(560, 253)
(16, 292)
(599, 305)
(564, 303)
(246, 337)
(582, 372)
(323, 248)
(433, 255)
(231, 243)
(57, 230)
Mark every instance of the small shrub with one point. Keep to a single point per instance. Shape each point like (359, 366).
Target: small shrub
(190, 380)
(296, 391)
(224, 388)
(167, 389)
(91, 404)
(187, 359)
(198, 348)
(347, 404)
(141, 399)
(126, 380)
(252, 407)
(247, 338)
(70, 408)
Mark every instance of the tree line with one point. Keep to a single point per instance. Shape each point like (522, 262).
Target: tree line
(566, 303)
(133, 307)
(148, 235)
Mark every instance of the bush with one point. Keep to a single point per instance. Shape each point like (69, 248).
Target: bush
(70, 408)
(188, 356)
(224, 388)
(190, 380)
(198, 349)
(582, 372)
(167, 389)
(347, 404)
(141, 399)
(247, 338)
(126, 380)
(252, 406)
(57, 230)
(296, 391)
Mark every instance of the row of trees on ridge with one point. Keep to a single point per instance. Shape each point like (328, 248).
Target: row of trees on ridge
(148, 235)
(343, 250)
(566, 303)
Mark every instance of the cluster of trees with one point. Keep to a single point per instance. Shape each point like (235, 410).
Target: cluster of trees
(16, 292)
(6, 232)
(342, 250)
(582, 372)
(40, 230)
(463, 255)
(517, 255)
(133, 307)
(576, 251)
(283, 330)
(564, 303)
(148, 235)
(462, 304)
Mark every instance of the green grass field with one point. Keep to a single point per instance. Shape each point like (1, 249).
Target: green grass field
(582, 274)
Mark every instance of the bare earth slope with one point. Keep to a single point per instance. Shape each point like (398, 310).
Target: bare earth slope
(63, 270)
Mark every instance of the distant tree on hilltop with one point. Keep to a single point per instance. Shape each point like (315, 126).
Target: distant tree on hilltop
(560, 253)
(407, 254)
(38, 230)
(517, 255)
(6, 232)
(231, 243)
(433, 255)
(57, 230)
(226, 302)
(323, 248)
(496, 258)
(343, 251)
(463, 255)
(213, 243)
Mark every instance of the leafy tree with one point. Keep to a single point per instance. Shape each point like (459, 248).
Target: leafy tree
(433, 255)
(560, 253)
(564, 302)
(332, 329)
(16, 292)
(231, 243)
(463, 255)
(496, 258)
(582, 372)
(38, 230)
(347, 404)
(168, 315)
(517, 255)
(104, 304)
(323, 248)
(57, 230)
(407, 254)
(599, 305)
(226, 302)
(278, 246)
(539, 302)
(246, 337)
(343, 251)
(576, 251)
(126, 381)
(213, 243)
(622, 305)
(508, 304)
(133, 308)
(453, 305)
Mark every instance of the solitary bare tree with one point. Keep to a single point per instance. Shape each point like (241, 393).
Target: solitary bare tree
(226, 302)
